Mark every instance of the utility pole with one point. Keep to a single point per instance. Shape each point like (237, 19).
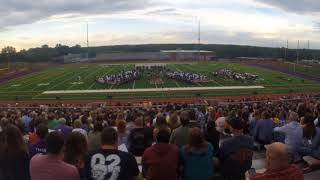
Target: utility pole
(285, 51)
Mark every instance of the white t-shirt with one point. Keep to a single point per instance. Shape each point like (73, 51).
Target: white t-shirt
(220, 124)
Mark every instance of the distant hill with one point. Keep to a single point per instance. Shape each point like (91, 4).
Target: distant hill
(47, 54)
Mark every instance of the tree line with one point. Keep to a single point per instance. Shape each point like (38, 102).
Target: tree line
(50, 54)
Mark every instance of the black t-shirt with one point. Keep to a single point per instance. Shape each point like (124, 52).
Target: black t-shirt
(139, 139)
(111, 165)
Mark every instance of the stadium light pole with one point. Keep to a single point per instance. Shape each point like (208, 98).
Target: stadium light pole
(285, 50)
(199, 39)
(87, 40)
(298, 47)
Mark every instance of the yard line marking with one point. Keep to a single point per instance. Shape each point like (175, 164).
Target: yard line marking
(178, 85)
(58, 77)
(94, 82)
(67, 79)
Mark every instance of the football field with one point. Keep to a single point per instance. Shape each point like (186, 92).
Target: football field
(81, 78)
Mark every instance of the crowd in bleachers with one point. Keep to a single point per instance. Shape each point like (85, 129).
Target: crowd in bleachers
(230, 74)
(173, 141)
(120, 78)
(187, 77)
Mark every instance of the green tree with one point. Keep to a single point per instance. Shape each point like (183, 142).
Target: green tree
(8, 53)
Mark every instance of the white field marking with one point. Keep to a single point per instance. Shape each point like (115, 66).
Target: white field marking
(134, 84)
(76, 83)
(52, 80)
(94, 72)
(66, 79)
(178, 85)
(216, 82)
(112, 67)
(153, 89)
(15, 85)
(43, 84)
(111, 86)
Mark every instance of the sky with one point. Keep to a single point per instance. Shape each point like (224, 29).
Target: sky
(28, 23)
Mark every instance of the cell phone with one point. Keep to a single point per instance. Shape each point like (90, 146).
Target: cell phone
(252, 171)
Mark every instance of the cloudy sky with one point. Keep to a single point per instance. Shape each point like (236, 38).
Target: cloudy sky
(31, 23)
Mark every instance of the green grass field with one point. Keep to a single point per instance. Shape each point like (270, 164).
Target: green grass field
(66, 78)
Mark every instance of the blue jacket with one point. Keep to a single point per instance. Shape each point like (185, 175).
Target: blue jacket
(293, 135)
(264, 130)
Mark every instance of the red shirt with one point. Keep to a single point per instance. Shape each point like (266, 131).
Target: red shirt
(44, 168)
(160, 162)
(33, 138)
(290, 173)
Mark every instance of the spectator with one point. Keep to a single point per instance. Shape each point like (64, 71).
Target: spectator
(51, 166)
(41, 145)
(110, 163)
(220, 123)
(14, 158)
(77, 124)
(161, 157)
(174, 121)
(63, 127)
(33, 137)
(94, 137)
(26, 119)
(180, 135)
(201, 120)
(161, 123)
(277, 165)
(236, 152)
(253, 119)
(263, 132)
(52, 122)
(211, 115)
(311, 138)
(293, 135)
(75, 151)
(213, 136)
(196, 157)
(139, 138)
(122, 132)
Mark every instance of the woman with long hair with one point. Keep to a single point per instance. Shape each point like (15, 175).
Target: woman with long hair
(14, 158)
(76, 149)
(196, 157)
(161, 123)
(94, 137)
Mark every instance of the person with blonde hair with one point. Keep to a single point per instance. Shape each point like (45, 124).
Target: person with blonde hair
(77, 124)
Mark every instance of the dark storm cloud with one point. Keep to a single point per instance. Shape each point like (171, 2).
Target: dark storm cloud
(16, 12)
(296, 6)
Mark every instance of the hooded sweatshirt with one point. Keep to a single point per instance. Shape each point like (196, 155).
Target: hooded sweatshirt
(160, 161)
